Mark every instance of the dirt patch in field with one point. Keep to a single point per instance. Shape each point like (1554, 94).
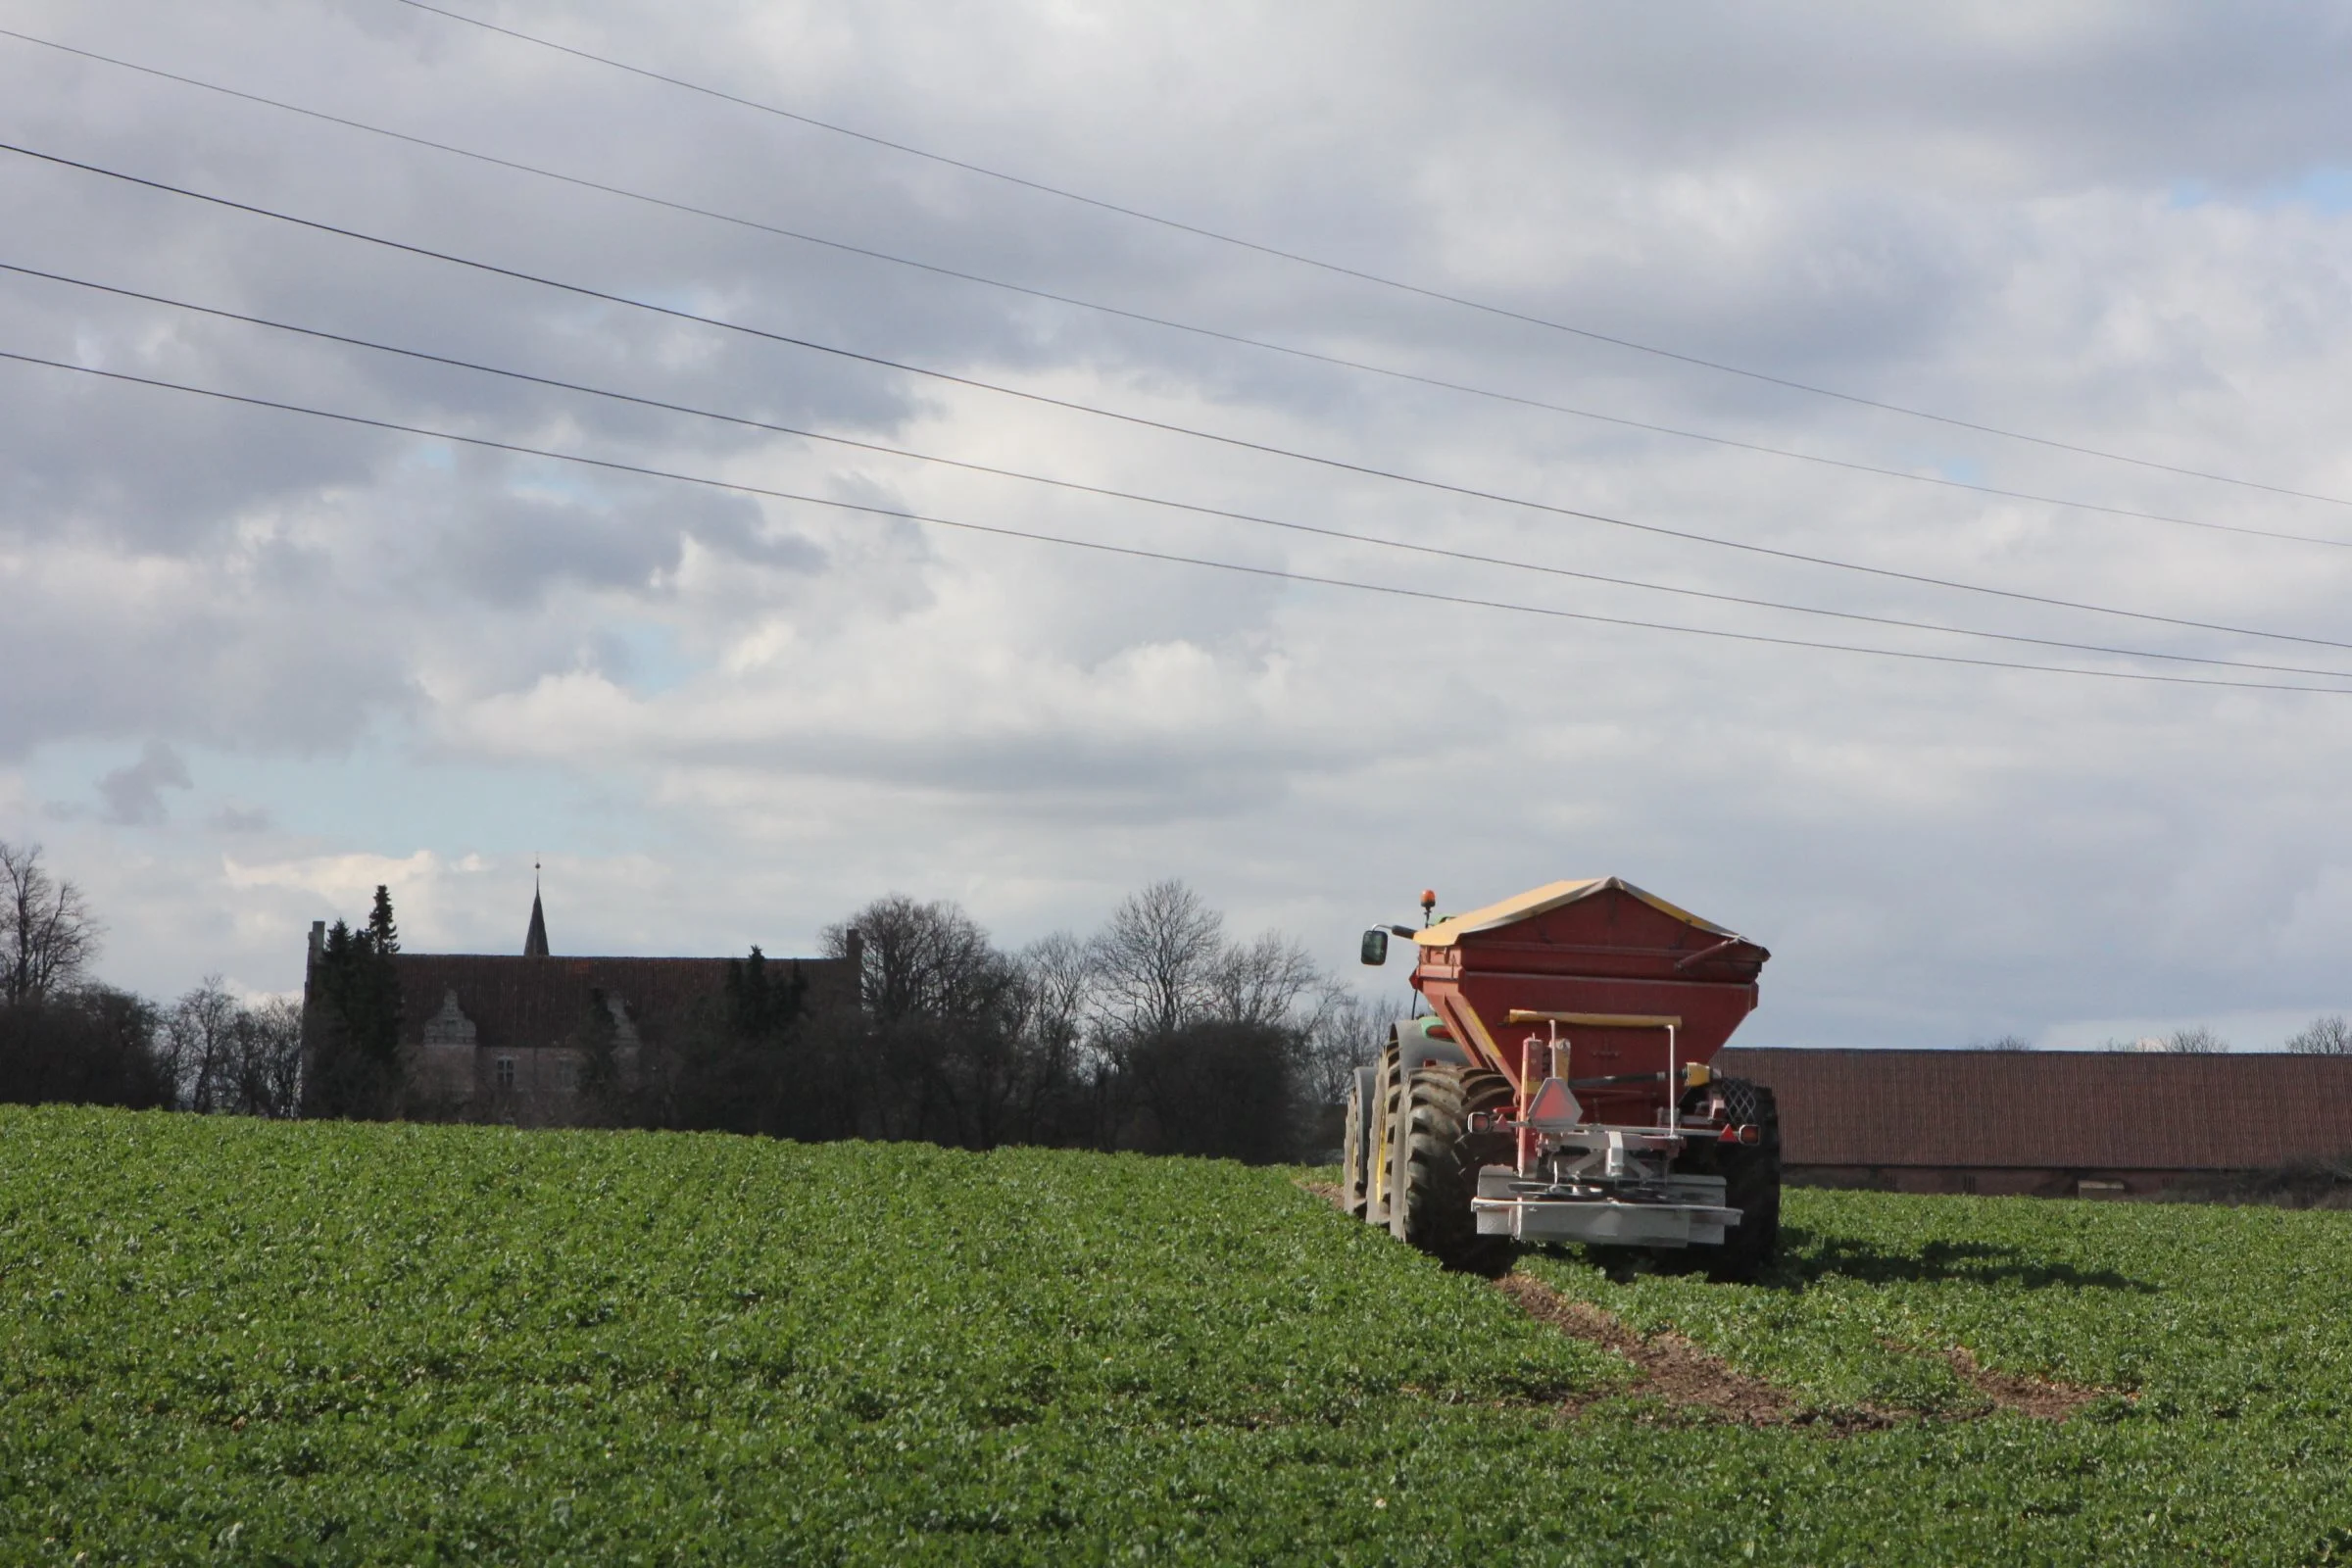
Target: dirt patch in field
(1672, 1367)
(1682, 1374)
(2020, 1395)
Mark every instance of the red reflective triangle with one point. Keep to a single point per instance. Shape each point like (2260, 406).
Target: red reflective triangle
(1554, 1106)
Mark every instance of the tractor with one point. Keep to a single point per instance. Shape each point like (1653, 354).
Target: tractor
(1559, 1088)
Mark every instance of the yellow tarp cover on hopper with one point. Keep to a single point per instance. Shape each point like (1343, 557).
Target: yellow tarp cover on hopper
(1551, 896)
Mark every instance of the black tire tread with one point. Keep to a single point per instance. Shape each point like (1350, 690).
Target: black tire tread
(1439, 1162)
(1381, 1139)
(1751, 1180)
(1356, 1152)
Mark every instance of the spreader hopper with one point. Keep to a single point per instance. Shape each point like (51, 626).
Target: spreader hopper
(1560, 1088)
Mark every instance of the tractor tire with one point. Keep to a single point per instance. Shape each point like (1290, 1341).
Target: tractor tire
(1439, 1160)
(1752, 1182)
(1357, 1151)
(1380, 1137)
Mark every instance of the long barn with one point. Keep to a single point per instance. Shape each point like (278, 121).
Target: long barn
(2047, 1123)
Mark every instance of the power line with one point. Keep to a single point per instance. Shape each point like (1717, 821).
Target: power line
(1108, 492)
(1361, 274)
(1142, 421)
(1138, 553)
(1340, 362)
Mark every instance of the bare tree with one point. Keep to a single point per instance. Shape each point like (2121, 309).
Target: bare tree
(200, 1045)
(1158, 960)
(1262, 982)
(2197, 1042)
(943, 1007)
(226, 1057)
(2328, 1035)
(1066, 1068)
(47, 934)
(268, 1071)
(1345, 1033)
(920, 959)
(1058, 984)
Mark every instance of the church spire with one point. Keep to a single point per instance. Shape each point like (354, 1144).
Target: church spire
(535, 944)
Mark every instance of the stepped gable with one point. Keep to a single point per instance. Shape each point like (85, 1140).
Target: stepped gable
(2052, 1110)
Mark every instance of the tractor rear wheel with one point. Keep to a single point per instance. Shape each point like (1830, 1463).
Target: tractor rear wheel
(1752, 1182)
(1380, 1137)
(1357, 1150)
(1438, 1160)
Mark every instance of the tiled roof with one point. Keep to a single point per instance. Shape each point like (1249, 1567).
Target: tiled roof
(543, 1001)
(2110, 1110)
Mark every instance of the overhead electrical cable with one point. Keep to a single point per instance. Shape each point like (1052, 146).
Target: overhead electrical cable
(1110, 493)
(1217, 334)
(1142, 422)
(1139, 553)
(1361, 274)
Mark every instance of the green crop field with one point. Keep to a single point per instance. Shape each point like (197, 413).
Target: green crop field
(236, 1342)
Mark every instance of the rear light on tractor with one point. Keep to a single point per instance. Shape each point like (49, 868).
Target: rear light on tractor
(1749, 1133)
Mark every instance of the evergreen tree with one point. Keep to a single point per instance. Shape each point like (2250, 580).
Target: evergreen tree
(355, 1022)
(381, 932)
(743, 1067)
(764, 1005)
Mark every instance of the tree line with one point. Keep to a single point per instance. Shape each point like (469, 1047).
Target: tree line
(1160, 1032)
(66, 1036)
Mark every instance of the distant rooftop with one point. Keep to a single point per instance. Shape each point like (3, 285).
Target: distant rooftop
(2054, 1110)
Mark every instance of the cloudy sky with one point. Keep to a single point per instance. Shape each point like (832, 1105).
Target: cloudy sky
(256, 661)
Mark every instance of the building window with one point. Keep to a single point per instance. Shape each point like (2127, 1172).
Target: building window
(505, 1069)
(568, 1076)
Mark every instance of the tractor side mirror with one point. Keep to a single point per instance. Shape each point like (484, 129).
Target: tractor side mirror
(1376, 947)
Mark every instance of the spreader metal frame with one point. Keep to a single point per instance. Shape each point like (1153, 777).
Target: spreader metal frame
(1578, 1181)
(1676, 1212)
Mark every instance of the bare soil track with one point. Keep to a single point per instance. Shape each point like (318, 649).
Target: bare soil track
(1678, 1372)
(1681, 1373)
(1672, 1367)
(2020, 1395)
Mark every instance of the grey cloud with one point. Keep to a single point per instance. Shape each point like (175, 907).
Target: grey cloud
(133, 792)
(219, 655)
(1077, 780)
(515, 549)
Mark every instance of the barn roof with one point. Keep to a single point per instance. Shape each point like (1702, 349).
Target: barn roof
(2061, 1110)
(1551, 896)
(543, 1001)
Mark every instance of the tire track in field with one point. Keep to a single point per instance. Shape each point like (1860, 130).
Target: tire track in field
(1672, 1367)
(1675, 1369)
(2019, 1394)
(1683, 1374)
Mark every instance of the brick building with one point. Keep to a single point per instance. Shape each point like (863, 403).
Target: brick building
(2050, 1123)
(516, 1038)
